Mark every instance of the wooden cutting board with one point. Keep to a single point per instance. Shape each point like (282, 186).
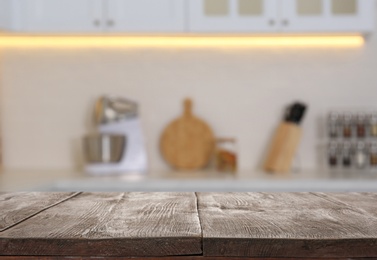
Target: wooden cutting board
(187, 142)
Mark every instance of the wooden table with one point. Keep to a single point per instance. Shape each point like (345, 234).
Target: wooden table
(188, 226)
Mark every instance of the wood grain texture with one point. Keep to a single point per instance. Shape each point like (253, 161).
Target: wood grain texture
(286, 225)
(283, 148)
(16, 207)
(110, 224)
(187, 143)
(162, 258)
(366, 202)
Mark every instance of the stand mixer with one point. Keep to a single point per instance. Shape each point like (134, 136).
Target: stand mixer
(119, 146)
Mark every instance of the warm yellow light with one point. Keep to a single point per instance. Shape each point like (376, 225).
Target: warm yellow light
(178, 41)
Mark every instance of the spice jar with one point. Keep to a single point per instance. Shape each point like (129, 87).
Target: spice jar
(373, 154)
(346, 155)
(360, 155)
(373, 125)
(333, 154)
(333, 124)
(226, 155)
(347, 125)
(360, 125)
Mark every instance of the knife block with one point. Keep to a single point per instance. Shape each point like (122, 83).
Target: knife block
(283, 148)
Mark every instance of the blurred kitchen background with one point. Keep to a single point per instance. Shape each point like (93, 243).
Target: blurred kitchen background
(49, 87)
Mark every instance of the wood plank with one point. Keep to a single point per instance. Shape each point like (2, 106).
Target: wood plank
(110, 224)
(366, 202)
(163, 258)
(286, 225)
(16, 207)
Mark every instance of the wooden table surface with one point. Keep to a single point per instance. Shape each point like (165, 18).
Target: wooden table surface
(188, 225)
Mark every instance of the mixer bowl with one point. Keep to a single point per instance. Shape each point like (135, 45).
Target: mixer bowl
(104, 148)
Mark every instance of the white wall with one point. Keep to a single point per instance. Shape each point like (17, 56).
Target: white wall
(47, 95)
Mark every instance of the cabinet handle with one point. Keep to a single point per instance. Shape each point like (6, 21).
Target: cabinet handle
(110, 23)
(285, 22)
(271, 22)
(97, 22)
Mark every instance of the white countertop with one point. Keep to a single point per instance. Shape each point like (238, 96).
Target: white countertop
(52, 180)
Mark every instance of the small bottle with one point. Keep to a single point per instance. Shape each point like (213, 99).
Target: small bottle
(346, 155)
(373, 155)
(347, 125)
(333, 125)
(333, 155)
(360, 155)
(360, 125)
(226, 155)
(373, 125)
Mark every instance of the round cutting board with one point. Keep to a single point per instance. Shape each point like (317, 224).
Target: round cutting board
(187, 142)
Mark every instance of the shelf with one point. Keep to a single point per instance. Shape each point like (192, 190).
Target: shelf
(197, 181)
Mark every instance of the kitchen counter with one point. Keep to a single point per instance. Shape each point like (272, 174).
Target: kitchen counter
(188, 226)
(49, 180)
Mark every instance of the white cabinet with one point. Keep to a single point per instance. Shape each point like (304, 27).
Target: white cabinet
(197, 16)
(328, 15)
(233, 15)
(281, 15)
(90, 16)
(147, 16)
(57, 16)
(5, 15)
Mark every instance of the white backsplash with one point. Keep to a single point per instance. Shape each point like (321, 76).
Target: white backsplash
(47, 95)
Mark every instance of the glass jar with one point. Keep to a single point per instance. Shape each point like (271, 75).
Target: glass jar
(347, 125)
(333, 125)
(226, 155)
(346, 153)
(373, 155)
(360, 125)
(333, 154)
(360, 155)
(373, 125)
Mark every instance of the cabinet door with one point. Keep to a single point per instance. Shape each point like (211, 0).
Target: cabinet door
(145, 16)
(5, 17)
(327, 15)
(58, 16)
(233, 15)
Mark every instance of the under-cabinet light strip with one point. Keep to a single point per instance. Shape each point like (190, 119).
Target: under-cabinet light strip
(179, 41)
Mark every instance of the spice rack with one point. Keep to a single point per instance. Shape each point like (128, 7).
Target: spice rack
(352, 140)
